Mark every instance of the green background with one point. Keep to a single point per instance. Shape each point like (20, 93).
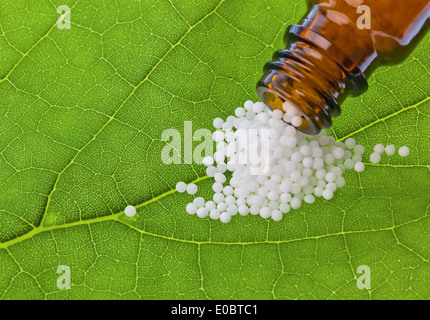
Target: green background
(81, 116)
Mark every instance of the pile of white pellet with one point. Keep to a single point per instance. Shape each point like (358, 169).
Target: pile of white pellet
(299, 167)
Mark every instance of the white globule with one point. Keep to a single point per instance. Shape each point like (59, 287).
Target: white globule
(192, 189)
(390, 149)
(375, 157)
(404, 151)
(271, 176)
(350, 143)
(379, 148)
(359, 166)
(191, 208)
(181, 186)
(130, 211)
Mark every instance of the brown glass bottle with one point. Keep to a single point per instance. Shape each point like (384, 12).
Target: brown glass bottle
(331, 51)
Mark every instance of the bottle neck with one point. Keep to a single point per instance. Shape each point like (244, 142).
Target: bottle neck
(312, 76)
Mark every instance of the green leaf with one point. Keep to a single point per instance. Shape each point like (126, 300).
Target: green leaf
(81, 115)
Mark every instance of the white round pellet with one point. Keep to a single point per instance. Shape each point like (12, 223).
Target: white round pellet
(214, 214)
(350, 143)
(181, 186)
(308, 189)
(254, 209)
(318, 191)
(217, 123)
(329, 158)
(340, 182)
(263, 192)
(290, 166)
(307, 172)
(219, 177)
(322, 183)
(228, 190)
(331, 140)
(349, 163)
(218, 197)
(277, 215)
(258, 107)
(357, 158)
(330, 177)
(318, 163)
(323, 140)
(130, 211)
(221, 206)
(320, 174)
(348, 155)
(225, 217)
(285, 197)
(390, 149)
(317, 152)
(191, 208)
(284, 207)
(379, 148)
(202, 212)
(240, 201)
(217, 187)
(327, 194)
(210, 205)
(232, 209)
(243, 210)
(309, 199)
(191, 189)
(248, 104)
(338, 153)
(265, 212)
(273, 195)
(277, 114)
(305, 150)
(307, 162)
(290, 142)
(296, 121)
(359, 167)
(218, 136)
(221, 167)
(199, 202)
(332, 186)
(229, 200)
(295, 203)
(337, 171)
(304, 181)
(295, 176)
(359, 149)
(210, 171)
(404, 151)
(227, 125)
(375, 157)
(286, 106)
(240, 112)
(290, 110)
(263, 117)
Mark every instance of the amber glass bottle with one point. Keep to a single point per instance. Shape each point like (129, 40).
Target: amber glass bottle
(333, 48)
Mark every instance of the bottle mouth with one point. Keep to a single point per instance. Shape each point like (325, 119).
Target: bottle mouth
(310, 78)
(275, 101)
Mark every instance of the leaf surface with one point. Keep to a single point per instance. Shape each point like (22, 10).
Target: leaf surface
(81, 116)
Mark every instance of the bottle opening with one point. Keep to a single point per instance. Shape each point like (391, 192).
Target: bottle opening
(275, 102)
